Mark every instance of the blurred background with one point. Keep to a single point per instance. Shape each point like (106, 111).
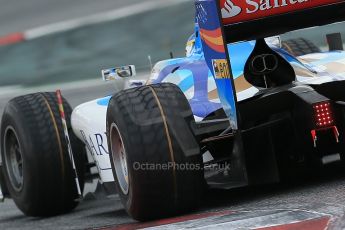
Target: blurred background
(92, 35)
(51, 44)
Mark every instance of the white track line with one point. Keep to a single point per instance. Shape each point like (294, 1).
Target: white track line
(99, 18)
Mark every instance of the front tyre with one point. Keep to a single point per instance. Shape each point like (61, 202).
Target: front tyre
(155, 158)
(36, 165)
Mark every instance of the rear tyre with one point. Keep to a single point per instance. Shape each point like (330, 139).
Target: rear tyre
(300, 46)
(36, 164)
(148, 132)
(3, 187)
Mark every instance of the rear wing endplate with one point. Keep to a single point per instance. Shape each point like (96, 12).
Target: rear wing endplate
(253, 19)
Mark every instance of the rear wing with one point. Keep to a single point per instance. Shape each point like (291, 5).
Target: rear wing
(228, 21)
(253, 19)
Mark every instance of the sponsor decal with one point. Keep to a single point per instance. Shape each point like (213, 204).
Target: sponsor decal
(234, 11)
(201, 13)
(214, 39)
(230, 9)
(95, 143)
(221, 68)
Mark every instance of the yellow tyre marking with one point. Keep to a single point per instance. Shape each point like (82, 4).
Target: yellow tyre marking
(57, 135)
(171, 151)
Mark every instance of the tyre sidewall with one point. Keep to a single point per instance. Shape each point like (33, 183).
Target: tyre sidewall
(13, 118)
(134, 188)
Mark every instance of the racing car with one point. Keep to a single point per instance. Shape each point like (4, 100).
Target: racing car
(238, 110)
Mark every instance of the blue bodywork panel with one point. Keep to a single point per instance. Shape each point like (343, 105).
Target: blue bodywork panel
(216, 56)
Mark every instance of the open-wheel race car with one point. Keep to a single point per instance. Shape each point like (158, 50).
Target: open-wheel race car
(239, 110)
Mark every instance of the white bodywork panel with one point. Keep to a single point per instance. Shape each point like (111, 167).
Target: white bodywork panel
(89, 124)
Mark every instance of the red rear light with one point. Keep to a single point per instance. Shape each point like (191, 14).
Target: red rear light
(323, 114)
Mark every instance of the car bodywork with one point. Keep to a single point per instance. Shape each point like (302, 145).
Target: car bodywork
(217, 42)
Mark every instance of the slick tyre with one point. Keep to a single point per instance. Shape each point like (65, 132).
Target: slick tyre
(155, 158)
(36, 164)
(300, 46)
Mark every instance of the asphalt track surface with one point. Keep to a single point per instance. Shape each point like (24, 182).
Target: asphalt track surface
(320, 196)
